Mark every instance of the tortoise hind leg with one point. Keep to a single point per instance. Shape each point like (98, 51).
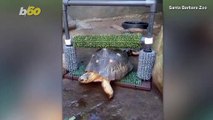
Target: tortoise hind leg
(107, 88)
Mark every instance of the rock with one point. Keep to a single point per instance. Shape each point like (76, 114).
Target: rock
(72, 24)
(83, 25)
(158, 68)
(130, 30)
(72, 118)
(134, 30)
(64, 71)
(117, 27)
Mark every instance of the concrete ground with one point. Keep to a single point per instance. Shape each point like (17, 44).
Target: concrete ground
(89, 102)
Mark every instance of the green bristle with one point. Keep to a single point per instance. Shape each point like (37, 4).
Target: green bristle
(131, 78)
(108, 41)
(79, 71)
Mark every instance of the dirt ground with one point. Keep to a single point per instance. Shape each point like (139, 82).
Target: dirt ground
(89, 102)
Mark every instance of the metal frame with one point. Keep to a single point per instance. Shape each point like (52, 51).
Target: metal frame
(147, 85)
(147, 3)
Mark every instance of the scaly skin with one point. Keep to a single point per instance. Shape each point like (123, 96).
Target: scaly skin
(89, 77)
(107, 88)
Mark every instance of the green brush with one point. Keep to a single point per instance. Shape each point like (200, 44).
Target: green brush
(131, 78)
(108, 41)
(80, 71)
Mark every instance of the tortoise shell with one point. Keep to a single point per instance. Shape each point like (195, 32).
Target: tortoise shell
(110, 64)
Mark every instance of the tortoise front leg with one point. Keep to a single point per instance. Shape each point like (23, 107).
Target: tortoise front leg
(107, 88)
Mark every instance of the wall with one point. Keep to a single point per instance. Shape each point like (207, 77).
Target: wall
(84, 12)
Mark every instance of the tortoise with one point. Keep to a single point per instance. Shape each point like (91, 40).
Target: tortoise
(106, 65)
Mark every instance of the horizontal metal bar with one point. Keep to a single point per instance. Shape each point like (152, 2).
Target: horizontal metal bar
(110, 3)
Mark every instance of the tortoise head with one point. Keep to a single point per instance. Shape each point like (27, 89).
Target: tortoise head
(88, 77)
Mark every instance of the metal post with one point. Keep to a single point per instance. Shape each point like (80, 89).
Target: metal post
(65, 22)
(151, 20)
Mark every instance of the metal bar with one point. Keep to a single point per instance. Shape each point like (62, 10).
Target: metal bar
(150, 3)
(151, 20)
(151, 24)
(65, 22)
(109, 3)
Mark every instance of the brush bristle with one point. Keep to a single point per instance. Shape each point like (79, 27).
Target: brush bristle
(70, 58)
(108, 41)
(146, 64)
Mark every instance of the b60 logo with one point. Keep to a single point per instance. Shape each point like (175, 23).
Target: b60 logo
(30, 11)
